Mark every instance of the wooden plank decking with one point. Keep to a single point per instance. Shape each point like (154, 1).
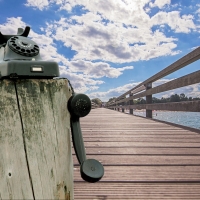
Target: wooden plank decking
(143, 158)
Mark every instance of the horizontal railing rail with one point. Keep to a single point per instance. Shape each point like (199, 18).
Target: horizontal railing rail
(191, 106)
(145, 89)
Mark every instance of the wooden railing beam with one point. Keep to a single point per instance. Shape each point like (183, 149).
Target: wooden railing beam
(182, 62)
(187, 106)
(189, 79)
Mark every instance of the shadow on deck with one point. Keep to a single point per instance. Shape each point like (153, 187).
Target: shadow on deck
(143, 158)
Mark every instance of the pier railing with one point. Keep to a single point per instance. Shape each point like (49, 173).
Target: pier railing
(145, 89)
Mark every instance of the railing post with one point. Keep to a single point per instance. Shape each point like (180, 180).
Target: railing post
(148, 100)
(122, 107)
(131, 103)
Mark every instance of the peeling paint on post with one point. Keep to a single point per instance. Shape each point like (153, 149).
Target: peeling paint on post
(35, 141)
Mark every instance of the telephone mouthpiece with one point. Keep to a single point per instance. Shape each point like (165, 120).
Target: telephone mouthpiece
(91, 170)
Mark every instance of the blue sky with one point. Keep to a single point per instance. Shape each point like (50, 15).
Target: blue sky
(107, 47)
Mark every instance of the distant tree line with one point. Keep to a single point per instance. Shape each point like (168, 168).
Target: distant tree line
(172, 98)
(97, 101)
(111, 99)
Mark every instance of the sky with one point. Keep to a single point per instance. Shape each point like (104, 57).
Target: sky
(107, 47)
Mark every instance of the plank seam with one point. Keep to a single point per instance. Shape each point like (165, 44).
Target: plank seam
(151, 182)
(23, 136)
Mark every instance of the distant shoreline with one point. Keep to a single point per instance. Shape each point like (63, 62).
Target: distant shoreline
(144, 110)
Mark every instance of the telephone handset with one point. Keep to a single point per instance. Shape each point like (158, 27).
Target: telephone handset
(79, 105)
(20, 32)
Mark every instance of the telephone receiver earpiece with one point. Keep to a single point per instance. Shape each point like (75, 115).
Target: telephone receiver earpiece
(20, 32)
(79, 105)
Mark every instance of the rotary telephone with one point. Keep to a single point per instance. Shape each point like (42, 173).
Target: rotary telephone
(20, 58)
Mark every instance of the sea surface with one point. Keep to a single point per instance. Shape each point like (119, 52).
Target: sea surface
(190, 119)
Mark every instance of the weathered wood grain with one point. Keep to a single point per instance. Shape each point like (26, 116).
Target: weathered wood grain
(152, 174)
(14, 176)
(35, 142)
(124, 137)
(141, 88)
(146, 160)
(46, 127)
(138, 191)
(143, 151)
(143, 158)
(142, 144)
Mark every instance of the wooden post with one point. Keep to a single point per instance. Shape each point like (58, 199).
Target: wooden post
(131, 103)
(35, 142)
(148, 100)
(123, 104)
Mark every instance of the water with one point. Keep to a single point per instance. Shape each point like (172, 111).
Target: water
(190, 119)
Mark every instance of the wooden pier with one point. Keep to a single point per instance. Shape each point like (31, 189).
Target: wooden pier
(143, 158)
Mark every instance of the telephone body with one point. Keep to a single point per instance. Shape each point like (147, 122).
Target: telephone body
(20, 58)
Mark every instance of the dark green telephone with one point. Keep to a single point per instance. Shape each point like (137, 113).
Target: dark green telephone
(20, 58)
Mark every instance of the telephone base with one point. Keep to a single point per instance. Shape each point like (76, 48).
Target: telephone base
(28, 69)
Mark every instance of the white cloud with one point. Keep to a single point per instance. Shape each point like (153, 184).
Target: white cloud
(80, 82)
(118, 31)
(160, 3)
(12, 25)
(180, 24)
(114, 92)
(96, 70)
(94, 40)
(66, 7)
(40, 4)
(193, 48)
(198, 12)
